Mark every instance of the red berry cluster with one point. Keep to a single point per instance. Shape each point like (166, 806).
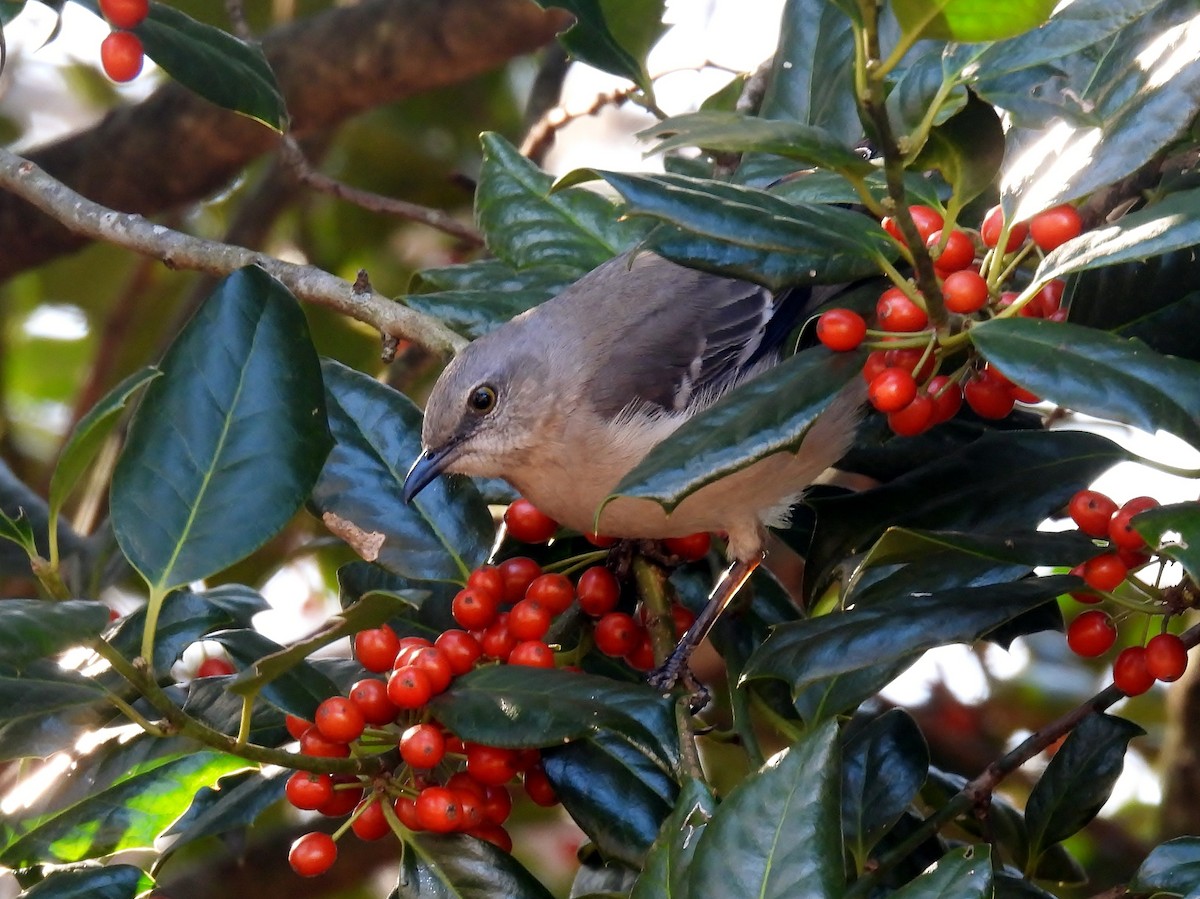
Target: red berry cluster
(442, 784)
(1093, 632)
(121, 53)
(902, 370)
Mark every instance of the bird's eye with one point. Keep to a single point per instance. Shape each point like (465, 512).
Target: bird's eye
(482, 399)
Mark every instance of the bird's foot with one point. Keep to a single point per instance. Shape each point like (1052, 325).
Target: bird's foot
(673, 673)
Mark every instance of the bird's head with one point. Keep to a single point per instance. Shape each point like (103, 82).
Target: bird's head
(484, 414)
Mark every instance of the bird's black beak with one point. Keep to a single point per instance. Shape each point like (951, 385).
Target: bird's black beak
(424, 470)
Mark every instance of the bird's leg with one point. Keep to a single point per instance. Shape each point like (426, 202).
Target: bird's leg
(675, 667)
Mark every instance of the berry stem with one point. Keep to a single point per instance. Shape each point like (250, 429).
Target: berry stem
(572, 564)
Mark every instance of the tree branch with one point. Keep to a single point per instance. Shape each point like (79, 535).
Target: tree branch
(178, 250)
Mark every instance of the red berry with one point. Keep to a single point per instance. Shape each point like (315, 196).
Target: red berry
(876, 363)
(532, 654)
(1091, 511)
(518, 573)
(958, 253)
(423, 745)
(988, 398)
(125, 13)
(915, 361)
(1049, 298)
(529, 620)
(990, 230)
(313, 742)
(370, 698)
(215, 667)
(1091, 634)
(296, 726)
(339, 720)
(494, 834)
(497, 641)
(473, 608)
(965, 291)
(1130, 674)
(598, 591)
(841, 329)
(600, 540)
(892, 390)
(344, 799)
(461, 650)
(491, 765)
(487, 579)
(409, 688)
(539, 788)
(1120, 526)
(370, 823)
(376, 648)
(617, 634)
(554, 592)
(896, 312)
(947, 397)
(1055, 227)
(121, 55)
(527, 523)
(641, 657)
(913, 419)
(406, 811)
(1166, 657)
(308, 791)
(691, 548)
(438, 810)
(926, 219)
(312, 854)
(434, 663)
(497, 803)
(1104, 572)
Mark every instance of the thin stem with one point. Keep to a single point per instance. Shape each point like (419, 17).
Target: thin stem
(49, 578)
(137, 717)
(153, 608)
(243, 736)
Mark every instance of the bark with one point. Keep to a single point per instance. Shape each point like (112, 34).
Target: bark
(175, 148)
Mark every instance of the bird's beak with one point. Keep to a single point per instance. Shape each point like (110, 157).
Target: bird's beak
(424, 470)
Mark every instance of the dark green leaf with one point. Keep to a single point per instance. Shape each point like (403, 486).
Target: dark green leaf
(228, 442)
(296, 687)
(1066, 548)
(527, 225)
(771, 413)
(19, 531)
(1078, 779)
(234, 803)
(967, 149)
(732, 132)
(33, 629)
(963, 874)
(1180, 522)
(9, 10)
(801, 652)
(1172, 867)
(923, 85)
(1096, 373)
(795, 793)
(829, 697)
(668, 863)
(600, 25)
(89, 434)
(128, 813)
(749, 233)
(525, 707)
(456, 866)
(43, 689)
(442, 534)
(884, 765)
(100, 882)
(969, 21)
(206, 699)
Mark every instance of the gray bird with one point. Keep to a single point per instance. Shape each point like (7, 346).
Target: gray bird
(567, 398)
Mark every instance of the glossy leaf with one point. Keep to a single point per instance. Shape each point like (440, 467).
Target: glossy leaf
(965, 873)
(126, 814)
(455, 866)
(296, 687)
(34, 629)
(1096, 373)
(967, 149)
(99, 882)
(801, 652)
(969, 21)
(1180, 524)
(884, 764)
(1172, 867)
(526, 224)
(19, 531)
(207, 699)
(752, 234)
(795, 793)
(668, 863)
(839, 694)
(228, 442)
(442, 534)
(732, 132)
(600, 25)
(42, 693)
(235, 802)
(769, 414)
(1066, 548)
(89, 435)
(1143, 94)
(1078, 779)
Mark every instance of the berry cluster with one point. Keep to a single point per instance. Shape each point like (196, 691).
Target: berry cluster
(121, 53)
(1093, 632)
(442, 784)
(907, 352)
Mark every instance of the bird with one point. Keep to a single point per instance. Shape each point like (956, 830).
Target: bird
(568, 397)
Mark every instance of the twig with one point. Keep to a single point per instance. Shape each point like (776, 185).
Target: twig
(374, 202)
(542, 134)
(546, 92)
(179, 250)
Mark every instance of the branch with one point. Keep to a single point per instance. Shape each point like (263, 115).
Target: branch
(179, 250)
